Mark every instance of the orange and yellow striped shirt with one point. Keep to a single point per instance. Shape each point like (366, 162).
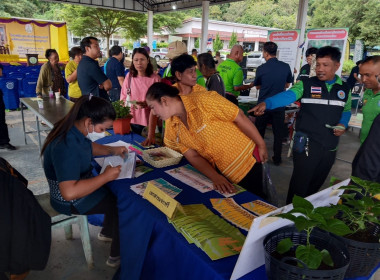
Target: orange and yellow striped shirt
(212, 133)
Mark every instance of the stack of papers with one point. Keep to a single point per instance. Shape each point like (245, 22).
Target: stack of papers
(160, 183)
(213, 235)
(127, 166)
(259, 207)
(233, 212)
(193, 178)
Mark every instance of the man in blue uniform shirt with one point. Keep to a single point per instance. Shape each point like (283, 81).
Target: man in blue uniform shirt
(272, 77)
(323, 117)
(91, 78)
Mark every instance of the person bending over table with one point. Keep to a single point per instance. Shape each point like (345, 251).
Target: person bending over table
(67, 157)
(213, 134)
(183, 69)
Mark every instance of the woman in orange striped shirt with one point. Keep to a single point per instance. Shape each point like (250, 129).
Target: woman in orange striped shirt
(213, 134)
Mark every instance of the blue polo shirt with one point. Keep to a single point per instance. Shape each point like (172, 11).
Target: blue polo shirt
(272, 77)
(66, 160)
(90, 76)
(114, 69)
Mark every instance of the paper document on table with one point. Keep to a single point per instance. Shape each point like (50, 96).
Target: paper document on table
(127, 167)
(100, 160)
(190, 176)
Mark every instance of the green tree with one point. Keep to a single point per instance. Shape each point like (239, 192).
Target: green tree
(196, 43)
(23, 8)
(233, 40)
(84, 21)
(218, 44)
(361, 17)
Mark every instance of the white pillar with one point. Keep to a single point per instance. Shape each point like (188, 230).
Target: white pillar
(150, 29)
(257, 43)
(205, 14)
(301, 24)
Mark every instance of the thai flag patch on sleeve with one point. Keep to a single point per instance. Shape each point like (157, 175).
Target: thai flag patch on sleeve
(317, 90)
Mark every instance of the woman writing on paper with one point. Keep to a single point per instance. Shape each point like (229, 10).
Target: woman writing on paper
(212, 133)
(135, 86)
(67, 157)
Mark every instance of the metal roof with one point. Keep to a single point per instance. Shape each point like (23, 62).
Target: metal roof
(157, 6)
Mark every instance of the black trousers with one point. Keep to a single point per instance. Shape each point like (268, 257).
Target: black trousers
(108, 206)
(277, 118)
(310, 172)
(232, 98)
(114, 94)
(4, 137)
(253, 181)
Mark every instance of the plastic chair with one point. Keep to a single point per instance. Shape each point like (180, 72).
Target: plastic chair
(29, 85)
(11, 98)
(59, 220)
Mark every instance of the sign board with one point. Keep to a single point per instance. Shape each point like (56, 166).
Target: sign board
(154, 44)
(174, 38)
(335, 37)
(287, 42)
(161, 200)
(136, 44)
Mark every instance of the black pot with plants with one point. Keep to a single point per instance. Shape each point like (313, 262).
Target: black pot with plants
(306, 250)
(360, 211)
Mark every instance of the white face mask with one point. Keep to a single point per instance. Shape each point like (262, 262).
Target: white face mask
(93, 136)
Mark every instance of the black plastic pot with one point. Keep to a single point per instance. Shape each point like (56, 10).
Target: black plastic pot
(364, 256)
(283, 270)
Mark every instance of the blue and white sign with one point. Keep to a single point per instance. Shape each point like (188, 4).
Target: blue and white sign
(136, 44)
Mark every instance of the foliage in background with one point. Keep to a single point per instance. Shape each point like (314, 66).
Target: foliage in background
(361, 17)
(233, 40)
(82, 21)
(218, 44)
(347, 66)
(196, 43)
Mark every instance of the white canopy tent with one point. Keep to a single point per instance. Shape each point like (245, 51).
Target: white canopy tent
(158, 6)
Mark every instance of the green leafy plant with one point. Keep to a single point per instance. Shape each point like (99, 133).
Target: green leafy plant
(359, 208)
(306, 218)
(121, 110)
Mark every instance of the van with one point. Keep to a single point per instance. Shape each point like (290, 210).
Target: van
(255, 59)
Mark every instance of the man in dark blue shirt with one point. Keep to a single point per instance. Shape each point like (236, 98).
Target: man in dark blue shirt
(114, 69)
(91, 78)
(272, 77)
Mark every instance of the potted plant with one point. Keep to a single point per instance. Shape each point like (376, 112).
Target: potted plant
(360, 211)
(122, 124)
(306, 251)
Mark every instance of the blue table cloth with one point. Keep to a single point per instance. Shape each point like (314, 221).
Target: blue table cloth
(151, 248)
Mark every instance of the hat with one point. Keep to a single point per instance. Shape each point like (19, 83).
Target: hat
(176, 49)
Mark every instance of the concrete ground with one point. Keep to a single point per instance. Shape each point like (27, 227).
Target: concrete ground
(67, 259)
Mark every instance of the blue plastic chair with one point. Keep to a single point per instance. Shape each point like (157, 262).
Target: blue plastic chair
(29, 85)
(11, 98)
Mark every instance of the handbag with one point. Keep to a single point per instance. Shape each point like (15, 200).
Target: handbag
(128, 99)
(268, 187)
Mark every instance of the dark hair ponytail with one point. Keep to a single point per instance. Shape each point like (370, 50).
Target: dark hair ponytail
(159, 89)
(87, 106)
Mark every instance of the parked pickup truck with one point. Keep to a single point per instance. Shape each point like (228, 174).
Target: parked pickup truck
(159, 54)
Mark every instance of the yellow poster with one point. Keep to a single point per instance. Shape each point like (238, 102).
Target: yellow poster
(26, 36)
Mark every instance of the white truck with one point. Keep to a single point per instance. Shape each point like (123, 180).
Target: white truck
(159, 54)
